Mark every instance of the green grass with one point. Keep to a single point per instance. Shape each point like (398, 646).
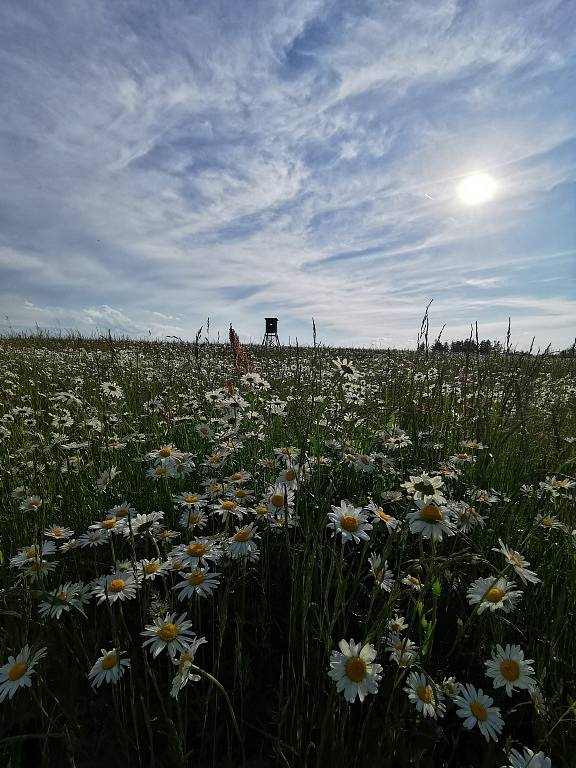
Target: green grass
(264, 697)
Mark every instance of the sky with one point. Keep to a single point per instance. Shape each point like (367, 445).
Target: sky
(166, 161)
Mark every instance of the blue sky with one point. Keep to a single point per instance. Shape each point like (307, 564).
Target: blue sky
(166, 161)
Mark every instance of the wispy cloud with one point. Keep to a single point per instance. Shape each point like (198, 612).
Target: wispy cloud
(164, 163)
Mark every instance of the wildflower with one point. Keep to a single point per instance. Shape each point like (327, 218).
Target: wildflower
(402, 650)
(518, 562)
(63, 599)
(59, 532)
(346, 368)
(142, 524)
(228, 507)
(193, 517)
(183, 662)
(105, 479)
(528, 759)
(431, 521)
(509, 668)
(279, 498)
(413, 582)
(475, 708)
(427, 698)
(18, 670)
(425, 488)
(122, 510)
(34, 552)
(354, 671)
(379, 515)
(242, 543)
(397, 624)
(109, 668)
(148, 570)
(350, 522)
(450, 687)
(120, 585)
(31, 504)
(198, 552)
(111, 390)
(241, 476)
(467, 517)
(493, 594)
(205, 431)
(383, 577)
(549, 522)
(171, 633)
(199, 582)
(94, 538)
(462, 458)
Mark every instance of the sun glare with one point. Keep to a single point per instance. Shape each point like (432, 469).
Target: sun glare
(476, 189)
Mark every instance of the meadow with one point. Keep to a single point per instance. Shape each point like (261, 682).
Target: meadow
(341, 557)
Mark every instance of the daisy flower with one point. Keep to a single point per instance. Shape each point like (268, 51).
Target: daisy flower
(518, 562)
(94, 538)
(350, 522)
(279, 499)
(63, 599)
(528, 759)
(354, 671)
(109, 668)
(59, 532)
(198, 582)
(549, 522)
(171, 633)
(402, 650)
(31, 504)
(425, 487)
(184, 673)
(383, 577)
(493, 594)
(115, 586)
(475, 708)
(427, 698)
(431, 521)
(110, 389)
(148, 570)
(241, 476)
(380, 516)
(509, 668)
(397, 624)
(345, 367)
(193, 517)
(242, 543)
(413, 582)
(18, 671)
(228, 507)
(198, 552)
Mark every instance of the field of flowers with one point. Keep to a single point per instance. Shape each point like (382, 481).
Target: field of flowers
(340, 558)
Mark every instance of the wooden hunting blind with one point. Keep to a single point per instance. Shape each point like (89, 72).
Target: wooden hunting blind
(271, 333)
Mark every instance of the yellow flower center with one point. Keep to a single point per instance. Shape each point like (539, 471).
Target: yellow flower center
(240, 493)
(242, 535)
(277, 500)
(495, 595)
(196, 578)
(349, 523)
(383, 516)
(196, 549)
(62, 596)
(215, 459)
(17, 671)
(122, 512)
(160, 471)
(108, 523)
(261, 509)
(32, 552)
(364, 459)
(57, 532)
(191, 498)
(356, 669)
(168, 632)
(510, 670)
(430, 513)
(150, 568)
(462, 456)
(165, 452)
(424, 694)
(547, 521)
(416, 581)
(109, 661)
(351, 456)
(290, 475)
(117, 585)
(236, 476)
(478, 711)
(516, 561)
(228, 505)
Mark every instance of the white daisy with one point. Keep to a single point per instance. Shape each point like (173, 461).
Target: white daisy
(382, 575)
(379, 515)
(171, 633)
(508, 667)
(425, 487)
(493, 594)
(401, 650)
(18, 670)
(120, 585)
(427, 697)
(242, 543)
(431, 520)
(198, 552)
(184, 672)
(109, 668)
(354, 671)
(475, 708)
(518, 562)
(350, 522)
(528, 759)
(199, 582)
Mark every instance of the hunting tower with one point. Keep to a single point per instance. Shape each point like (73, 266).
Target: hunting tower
(271, 333)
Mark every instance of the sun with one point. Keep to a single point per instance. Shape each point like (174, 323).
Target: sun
(476, 189)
